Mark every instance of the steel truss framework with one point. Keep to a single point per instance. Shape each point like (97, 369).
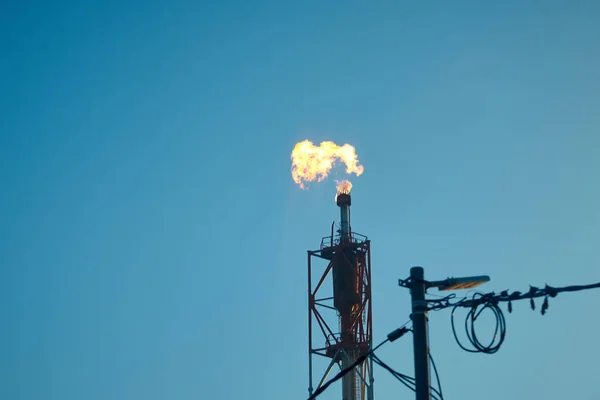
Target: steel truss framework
(353, 338)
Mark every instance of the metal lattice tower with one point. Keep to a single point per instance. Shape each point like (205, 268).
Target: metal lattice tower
(346, 262)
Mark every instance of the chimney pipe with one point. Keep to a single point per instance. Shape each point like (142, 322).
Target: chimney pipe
(344, 201)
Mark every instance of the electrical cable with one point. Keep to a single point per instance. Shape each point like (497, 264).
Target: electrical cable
(406, 380)
(505, 296)
(437, 376)
(479, 302)
(472, 316)
(343, 372)
(392, 336)
(440, 303)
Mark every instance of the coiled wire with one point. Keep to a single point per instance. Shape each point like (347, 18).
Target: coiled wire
(476, 310)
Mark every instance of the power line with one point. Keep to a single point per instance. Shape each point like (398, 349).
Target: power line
(437, 376)
(480, 302)
(406, 380)
(343, 372)
(505, 296)
(477, 304)
(392, 336)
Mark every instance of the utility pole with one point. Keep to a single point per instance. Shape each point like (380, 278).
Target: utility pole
(418, 287)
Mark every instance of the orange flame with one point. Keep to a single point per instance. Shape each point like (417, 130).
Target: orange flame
(343, 187)
(310, 162)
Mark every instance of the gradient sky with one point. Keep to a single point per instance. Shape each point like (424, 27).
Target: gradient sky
(152, 241)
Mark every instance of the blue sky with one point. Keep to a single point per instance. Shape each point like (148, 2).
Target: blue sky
(152, 241)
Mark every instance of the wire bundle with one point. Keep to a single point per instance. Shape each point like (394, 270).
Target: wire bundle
(478, 303)
(396, 334)
(409, 382)
(499, 331)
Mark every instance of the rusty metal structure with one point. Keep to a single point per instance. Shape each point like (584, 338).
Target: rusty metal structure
(339, 321)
